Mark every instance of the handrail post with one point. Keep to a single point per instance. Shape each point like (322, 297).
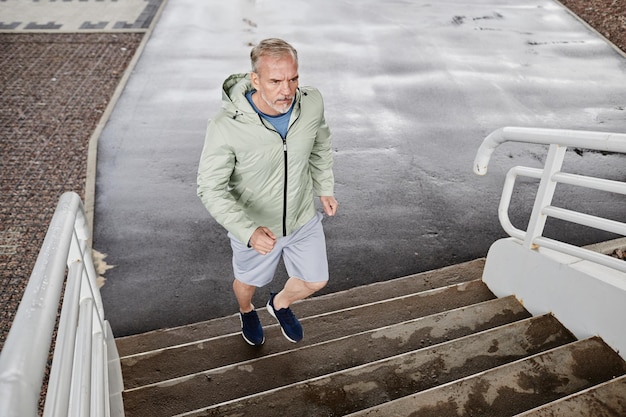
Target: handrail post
(545, 193)
(57, 402)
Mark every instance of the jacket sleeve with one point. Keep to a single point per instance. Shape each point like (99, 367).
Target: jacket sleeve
(217, 163)
(321, 160)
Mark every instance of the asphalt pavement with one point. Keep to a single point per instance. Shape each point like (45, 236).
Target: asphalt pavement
(411, 89)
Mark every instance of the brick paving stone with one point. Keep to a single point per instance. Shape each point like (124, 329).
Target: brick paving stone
(54, 89)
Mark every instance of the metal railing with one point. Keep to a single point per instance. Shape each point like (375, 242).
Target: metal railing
(558, 141)
(85, 376)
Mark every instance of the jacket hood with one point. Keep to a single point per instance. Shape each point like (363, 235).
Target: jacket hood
(234, 91)
(234, 101)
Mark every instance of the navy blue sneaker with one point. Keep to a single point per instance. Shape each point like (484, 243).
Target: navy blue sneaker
(251, 329)
(289, 324)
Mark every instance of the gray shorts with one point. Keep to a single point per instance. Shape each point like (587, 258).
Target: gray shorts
(303, 251)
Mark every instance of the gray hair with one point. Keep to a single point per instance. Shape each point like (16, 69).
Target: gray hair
(272, 47)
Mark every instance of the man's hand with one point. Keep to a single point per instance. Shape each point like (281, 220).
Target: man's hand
(330, 205)
(263, 240)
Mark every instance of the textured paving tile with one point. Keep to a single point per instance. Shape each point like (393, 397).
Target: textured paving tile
(54, 89)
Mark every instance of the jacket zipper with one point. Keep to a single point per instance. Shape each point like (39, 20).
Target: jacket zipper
(285, 188)
(284, 139)
(285, 184)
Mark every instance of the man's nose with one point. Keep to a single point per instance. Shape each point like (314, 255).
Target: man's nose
(285, 88)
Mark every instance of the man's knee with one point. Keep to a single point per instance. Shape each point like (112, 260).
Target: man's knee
(316, 286)
(242, 288)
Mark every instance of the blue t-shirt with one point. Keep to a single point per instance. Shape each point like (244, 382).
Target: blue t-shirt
(280, 122)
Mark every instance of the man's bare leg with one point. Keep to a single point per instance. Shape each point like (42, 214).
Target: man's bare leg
(296, 289)
(244, 294)
(251, 328)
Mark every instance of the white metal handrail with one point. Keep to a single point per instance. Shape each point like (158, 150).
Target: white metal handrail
(549, 177)
(85, 377)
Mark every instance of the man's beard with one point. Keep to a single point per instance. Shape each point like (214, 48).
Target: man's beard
(282, 109)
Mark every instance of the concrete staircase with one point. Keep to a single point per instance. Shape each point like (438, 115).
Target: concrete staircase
(435, 344)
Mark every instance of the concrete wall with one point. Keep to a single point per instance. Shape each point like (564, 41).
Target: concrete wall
(589, 299)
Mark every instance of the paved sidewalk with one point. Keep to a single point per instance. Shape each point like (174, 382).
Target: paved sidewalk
(77, 15)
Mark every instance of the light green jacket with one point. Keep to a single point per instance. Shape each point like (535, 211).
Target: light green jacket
(249, 177)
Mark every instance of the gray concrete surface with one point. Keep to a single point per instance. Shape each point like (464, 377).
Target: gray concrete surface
(77, 15)
(411, 89)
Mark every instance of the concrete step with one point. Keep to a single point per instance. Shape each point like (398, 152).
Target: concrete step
(158, 339)
(288, 367)
(432, 344)
(164, 364)
(605, 400)
(377, 382)
(514, 388)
